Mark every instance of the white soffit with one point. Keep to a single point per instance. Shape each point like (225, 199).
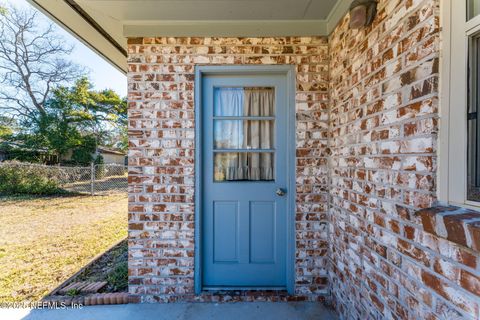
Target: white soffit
(62, 13)
(104, 25)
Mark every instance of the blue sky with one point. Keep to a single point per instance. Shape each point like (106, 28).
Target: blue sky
(102, 74)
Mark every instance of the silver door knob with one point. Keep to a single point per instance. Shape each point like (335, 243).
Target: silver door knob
(280, 192)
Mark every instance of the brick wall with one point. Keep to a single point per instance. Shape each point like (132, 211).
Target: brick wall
(383, 125)
(366, 163)
(161, 157)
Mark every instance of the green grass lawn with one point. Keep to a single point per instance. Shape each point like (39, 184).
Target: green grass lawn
(43, 241)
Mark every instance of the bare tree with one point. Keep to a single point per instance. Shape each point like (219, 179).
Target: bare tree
(34, 60)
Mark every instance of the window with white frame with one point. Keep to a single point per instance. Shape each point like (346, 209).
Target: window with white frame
(460, 179)
(473, 119)
(473, 8)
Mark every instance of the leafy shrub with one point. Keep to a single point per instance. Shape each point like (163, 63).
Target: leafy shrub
(21, 178)
(82, 155)
(100, 170)
(23, 155)
(118, 277)
(73, 292)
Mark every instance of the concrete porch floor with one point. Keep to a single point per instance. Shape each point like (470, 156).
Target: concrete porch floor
(182, 311)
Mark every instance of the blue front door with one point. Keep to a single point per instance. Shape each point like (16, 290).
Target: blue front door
(244, 170)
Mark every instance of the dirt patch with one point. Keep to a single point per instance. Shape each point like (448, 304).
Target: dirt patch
(111, 267)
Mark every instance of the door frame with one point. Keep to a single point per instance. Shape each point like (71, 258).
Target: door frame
(289, 72)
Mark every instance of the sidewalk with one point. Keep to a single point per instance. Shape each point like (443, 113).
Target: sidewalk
(182, 311)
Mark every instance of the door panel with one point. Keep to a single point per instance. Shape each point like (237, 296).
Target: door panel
(225, 229)
(244, 163)
(262, 232)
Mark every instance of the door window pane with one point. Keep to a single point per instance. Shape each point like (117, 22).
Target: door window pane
(244, 166)
(473, 8)
(473, 124)
(243, 134)
(227, 134)
(237, 102)
(259, 102)
(228, 102)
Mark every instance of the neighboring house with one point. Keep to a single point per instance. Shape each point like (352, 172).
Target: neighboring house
(276, 152)
(111, 156)
(17, 151)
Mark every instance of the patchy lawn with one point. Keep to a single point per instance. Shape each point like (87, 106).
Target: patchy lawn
(44, 241)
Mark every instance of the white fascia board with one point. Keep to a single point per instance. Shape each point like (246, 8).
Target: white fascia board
(60, 12)
(237, 28)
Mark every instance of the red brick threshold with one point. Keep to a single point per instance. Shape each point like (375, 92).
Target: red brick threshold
(229, 296)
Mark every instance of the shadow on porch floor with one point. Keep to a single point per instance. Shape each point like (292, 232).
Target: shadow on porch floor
(190, 311)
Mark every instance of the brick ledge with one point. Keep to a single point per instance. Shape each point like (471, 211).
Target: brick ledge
(456, 224)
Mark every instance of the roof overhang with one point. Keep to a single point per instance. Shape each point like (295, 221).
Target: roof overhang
(105, 25)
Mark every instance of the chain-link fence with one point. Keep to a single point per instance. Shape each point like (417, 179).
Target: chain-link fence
(94, 179)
